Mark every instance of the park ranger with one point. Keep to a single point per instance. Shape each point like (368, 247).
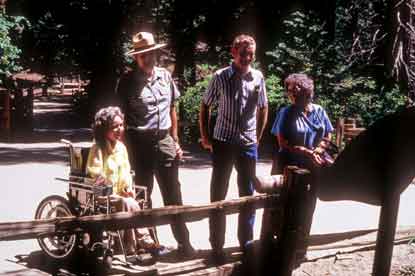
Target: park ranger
(147, 95)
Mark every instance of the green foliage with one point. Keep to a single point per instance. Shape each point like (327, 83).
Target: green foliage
(189, 104)
(343, 85)
(371, 107)
(301, 45)
(275, 93)
(11, 28)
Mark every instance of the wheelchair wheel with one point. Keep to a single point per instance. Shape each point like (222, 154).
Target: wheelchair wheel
(60, 246)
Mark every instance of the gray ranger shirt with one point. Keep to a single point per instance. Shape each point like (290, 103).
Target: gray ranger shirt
(146, 103)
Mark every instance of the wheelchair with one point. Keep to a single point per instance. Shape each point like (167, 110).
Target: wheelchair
(84, 198)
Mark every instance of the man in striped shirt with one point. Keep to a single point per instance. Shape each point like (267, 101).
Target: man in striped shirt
(239, 92)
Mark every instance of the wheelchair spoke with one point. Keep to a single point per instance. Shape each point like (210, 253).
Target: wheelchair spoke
(58, 246)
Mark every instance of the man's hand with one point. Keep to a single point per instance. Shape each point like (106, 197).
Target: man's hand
(204, 115)
(179, 151)
(206, 144)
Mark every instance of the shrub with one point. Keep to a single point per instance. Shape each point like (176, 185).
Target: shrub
(189, 104)
(11, 28)
(343, 84)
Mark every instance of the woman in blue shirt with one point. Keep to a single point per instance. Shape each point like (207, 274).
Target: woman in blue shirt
(300, 127)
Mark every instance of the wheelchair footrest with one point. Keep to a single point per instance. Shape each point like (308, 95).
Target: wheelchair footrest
(141, 259)
(144, 257)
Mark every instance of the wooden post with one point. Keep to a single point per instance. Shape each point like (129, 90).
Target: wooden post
(29, 108)
(3, 6)
(78, 79)
(18, 111)
(271, 231)
(294, 238)
(386, 234)
(45, 88)
(339, 132)
(5, 113)
(62, 80)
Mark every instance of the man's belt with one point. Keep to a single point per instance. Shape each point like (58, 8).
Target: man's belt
(151, 133)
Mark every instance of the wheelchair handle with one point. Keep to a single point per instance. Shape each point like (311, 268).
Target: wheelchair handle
(69, 143)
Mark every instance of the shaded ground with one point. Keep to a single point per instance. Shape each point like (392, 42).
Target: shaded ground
(353, 253)
(53, 119)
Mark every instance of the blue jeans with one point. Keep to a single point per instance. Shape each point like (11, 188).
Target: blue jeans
(224, 157)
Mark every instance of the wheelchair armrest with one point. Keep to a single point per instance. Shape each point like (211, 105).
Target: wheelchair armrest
(102, 190)
(140, 192)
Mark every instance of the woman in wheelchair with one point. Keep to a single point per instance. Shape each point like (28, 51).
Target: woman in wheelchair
(108, 163)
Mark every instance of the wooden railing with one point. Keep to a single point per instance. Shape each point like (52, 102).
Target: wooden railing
(72, 84)
(346, 130)
(286, 198)
(123, 220)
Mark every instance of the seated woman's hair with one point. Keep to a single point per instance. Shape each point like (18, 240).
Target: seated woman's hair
(103, 123)
(303, 85)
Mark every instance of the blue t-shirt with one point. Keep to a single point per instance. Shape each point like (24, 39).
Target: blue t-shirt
(301, 130)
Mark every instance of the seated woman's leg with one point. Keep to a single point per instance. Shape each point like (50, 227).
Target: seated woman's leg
(141, 237)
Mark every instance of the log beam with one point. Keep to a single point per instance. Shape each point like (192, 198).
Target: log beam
(123, 220)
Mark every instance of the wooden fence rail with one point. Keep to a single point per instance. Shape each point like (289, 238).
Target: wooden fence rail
(291, 186)
(122, 220)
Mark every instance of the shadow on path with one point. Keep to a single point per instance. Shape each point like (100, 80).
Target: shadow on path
(78, 265)
(54, 119)
(85, 264)
(194, 157)
(13, 156)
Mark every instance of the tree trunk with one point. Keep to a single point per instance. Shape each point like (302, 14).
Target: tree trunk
(3, 5)
(183, 42)
(400, 60)
(411, 52)
(106, 58)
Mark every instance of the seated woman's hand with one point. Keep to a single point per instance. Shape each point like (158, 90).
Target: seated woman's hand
(100, 180)
(128, 193)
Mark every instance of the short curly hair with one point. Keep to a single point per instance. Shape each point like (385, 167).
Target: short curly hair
(103, 121)
(303, 85)
(243, 40)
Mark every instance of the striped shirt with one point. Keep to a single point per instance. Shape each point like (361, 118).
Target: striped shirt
(238, 98)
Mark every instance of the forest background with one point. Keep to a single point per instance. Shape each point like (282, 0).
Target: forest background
(359, 53)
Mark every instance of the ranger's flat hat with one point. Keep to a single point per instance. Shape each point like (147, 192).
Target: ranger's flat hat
(144, 42)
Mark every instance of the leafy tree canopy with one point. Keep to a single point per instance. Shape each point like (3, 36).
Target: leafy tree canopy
(11, 28)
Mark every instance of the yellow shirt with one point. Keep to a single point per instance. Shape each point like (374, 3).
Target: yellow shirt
(113, 164)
